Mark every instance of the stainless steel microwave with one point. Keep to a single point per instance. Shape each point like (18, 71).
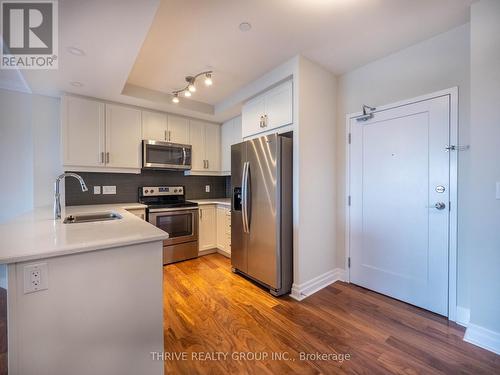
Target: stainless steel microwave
(165, 155)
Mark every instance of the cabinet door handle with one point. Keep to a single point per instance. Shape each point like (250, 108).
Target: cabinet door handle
(165, 136)
(107, 157)
(169, 136)
(208, 164)
(201, 214)
(265, 121)
(102, 157)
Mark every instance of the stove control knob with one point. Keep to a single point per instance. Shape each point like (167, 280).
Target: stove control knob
(175, 191)
(146, 191)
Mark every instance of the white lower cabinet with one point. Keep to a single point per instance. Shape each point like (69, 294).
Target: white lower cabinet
(215, 229)
(207, 228)
(139, 212)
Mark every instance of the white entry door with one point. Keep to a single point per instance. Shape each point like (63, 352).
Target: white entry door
(399, 212)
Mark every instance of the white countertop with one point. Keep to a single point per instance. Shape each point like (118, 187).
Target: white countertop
(36, 235)
(220, 201)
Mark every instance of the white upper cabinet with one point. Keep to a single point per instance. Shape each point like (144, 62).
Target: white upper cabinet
(205, 143)
(253, 116)
(154, 126)
(178, 130)
(230, 135)
(82, 132)
(123, 137)
(212, 147)
(278, 103)
(197, 142)
(270, 110)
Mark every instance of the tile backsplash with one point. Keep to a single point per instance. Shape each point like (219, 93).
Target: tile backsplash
(127, 186)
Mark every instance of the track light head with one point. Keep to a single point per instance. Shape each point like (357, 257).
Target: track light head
(175, 99)
(208, 79)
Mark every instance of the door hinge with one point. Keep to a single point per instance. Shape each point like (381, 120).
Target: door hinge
(349, 262)
(349, 138)
(349, 200)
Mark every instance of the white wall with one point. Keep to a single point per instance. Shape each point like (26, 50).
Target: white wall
(483, 225)
(46, 148)
(435, 64)
(29, 151)
(314, 152)
(16, 154)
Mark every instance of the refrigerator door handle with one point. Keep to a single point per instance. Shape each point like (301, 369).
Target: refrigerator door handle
(247, 219)
(243, 198)
(244, 186)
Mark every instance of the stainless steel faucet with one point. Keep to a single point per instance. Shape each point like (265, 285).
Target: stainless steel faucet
(57, 198)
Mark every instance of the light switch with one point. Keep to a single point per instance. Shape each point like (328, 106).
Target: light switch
(207, 188)
(97, 190)
(498, 190)
(109, 189)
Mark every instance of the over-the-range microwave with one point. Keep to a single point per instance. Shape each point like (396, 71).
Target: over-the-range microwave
(165, 155)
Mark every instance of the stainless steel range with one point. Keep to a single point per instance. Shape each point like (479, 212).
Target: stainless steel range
(168, 210)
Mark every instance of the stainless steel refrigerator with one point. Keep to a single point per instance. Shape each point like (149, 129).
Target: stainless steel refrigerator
(261, 215)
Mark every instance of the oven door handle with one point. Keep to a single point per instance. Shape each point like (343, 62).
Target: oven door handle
(156, 210)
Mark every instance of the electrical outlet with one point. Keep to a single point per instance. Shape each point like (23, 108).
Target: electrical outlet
(109, 189)
(97, 190)
(207, 188)
(36, 277)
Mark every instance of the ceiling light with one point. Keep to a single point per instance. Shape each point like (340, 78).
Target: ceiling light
(76, 51)
(245, 26)
(208, 79)
(191, 85)
(76, 84)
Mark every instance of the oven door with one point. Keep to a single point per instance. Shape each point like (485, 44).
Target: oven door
(165, 155)
(180, 224)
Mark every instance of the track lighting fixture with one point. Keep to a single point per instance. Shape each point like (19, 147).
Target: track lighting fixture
(191, 85)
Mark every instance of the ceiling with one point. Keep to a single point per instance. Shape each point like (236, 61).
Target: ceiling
(139, 51)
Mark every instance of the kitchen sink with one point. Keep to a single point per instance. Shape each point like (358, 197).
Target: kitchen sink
(91, 217)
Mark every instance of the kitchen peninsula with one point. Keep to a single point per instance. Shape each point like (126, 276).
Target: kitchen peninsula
(83, 298)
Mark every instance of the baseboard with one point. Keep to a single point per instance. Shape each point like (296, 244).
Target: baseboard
(223, 252)
(206, 252)
(304, 290)
(482, 337)
(463, 316)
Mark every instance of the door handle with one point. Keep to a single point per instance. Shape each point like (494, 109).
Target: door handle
(165, 135)
(169, 136)
(107, 157)
(102, 157)
(244, 216)
(208, 164)
(438, 206)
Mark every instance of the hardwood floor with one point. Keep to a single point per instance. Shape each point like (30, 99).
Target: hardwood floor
(208, 309)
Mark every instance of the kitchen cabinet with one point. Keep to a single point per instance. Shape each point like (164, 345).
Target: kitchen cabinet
(205, 142)
(207, 228)
(167, 128)
(123, 137)
(82, 132)
(230, 135)
(99, 137)
(178, 129)
(270, 110)
(139, 212)
(224, 230)
(154, 126)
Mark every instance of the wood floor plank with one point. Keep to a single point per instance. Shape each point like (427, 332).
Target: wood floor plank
(210, 309)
